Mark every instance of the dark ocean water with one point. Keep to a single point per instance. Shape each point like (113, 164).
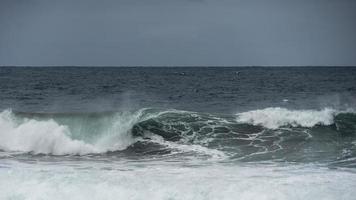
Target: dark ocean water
(226, 127)
(215, 90)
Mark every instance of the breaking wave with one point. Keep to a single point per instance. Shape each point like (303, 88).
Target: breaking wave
(65, 134)
(151, 131)
(278, 117)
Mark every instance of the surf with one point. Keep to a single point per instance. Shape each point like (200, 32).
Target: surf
(270, 132)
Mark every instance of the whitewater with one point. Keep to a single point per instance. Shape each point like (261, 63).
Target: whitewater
(42, 134)
(102, 166)
(158, 180)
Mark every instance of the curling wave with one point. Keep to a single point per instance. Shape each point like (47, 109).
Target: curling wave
(150, 131)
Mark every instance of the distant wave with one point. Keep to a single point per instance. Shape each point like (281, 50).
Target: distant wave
(276, 117)
(170, 131)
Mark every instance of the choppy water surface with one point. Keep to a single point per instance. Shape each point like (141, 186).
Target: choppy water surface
(177, 133)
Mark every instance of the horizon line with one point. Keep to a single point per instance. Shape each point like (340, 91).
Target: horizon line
(226, 66)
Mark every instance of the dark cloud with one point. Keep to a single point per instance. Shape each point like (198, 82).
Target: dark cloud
(171, 32)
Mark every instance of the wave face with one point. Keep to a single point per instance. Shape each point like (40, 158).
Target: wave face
(266, 134)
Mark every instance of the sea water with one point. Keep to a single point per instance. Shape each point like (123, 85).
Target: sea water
(177, 133)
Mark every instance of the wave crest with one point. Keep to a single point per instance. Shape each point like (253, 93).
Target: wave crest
(276, 117)
(183, 131)
(47, 136)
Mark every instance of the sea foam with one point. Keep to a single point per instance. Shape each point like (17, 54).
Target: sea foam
(50, 137)
(169, 181)
(275, 117)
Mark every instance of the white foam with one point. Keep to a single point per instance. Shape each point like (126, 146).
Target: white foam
(38, 137)
(158, 180)
(49, 137)
(275, 117)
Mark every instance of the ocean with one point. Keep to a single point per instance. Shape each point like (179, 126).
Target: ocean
(177, 133)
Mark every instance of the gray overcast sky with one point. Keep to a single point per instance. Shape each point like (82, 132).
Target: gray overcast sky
(177, 32)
